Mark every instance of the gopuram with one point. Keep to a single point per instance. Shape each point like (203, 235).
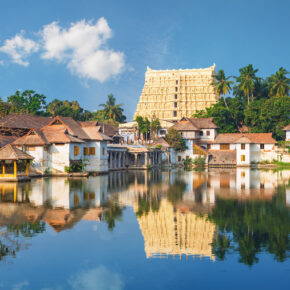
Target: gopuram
(173, 94)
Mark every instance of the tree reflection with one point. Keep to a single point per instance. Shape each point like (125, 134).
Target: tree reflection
(147, 202)
(254, 226)
(112, 212)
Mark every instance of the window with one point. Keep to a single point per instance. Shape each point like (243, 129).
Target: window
(176, 89)
(179, 158)
(92, 151)
(86, 151)
(207, 133)
(92, 195)
(76, 150)
(174, 114)
(243, 174)
(30, 148)
(243, 146)
(243, 157)
(262, 146)
(187, 157)
(262, 185)
(86, 196)
(225, 147)
(176, 82)
(200, 133)
(103, 151)
(175, 96)
(175, 104)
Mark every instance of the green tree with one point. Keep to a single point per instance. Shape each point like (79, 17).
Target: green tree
(27, 102)
(112, 213)
(143, 126)
(174, 139)
(154, 127)
(279, 84)
(222, 85)
(246, 81)
(112, 110)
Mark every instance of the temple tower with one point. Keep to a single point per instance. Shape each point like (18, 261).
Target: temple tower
(173, 94)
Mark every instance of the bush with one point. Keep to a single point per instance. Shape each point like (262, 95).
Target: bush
(199, 161)
(78, 166)
(187, 162)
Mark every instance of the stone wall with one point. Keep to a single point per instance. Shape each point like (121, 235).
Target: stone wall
(173, 94)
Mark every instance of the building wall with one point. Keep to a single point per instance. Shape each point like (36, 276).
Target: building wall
(99, 161)
(287, 135)
(204, 137)
(243, 152)
(193, 89)
(60, 156)
(40, 157)
(268, 153)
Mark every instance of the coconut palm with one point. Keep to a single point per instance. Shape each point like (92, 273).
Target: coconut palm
(222, 85)
(246, 81)
(113, 111)
(279, 84)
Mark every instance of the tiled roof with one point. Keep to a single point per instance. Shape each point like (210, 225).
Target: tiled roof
(4, 140)
(33, 137)
(10, 152)
(60, 134)
(162, 142)
(287, 128)
(104, 128)
(94, 134)
(24, 121)
(259, 138)
(194, 124)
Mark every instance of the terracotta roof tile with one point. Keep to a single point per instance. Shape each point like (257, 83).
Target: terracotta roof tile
(287, 128)
(194, 124)
(259, 138)
(94, 134)
(24, 121)
(162, 142)
(10, 152)
(33, 137)
(4, 140)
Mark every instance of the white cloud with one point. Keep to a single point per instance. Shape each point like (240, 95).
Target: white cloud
(83, 48)
(98, 278)
(19, 48)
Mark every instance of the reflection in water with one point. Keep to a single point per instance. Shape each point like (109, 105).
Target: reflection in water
(206, 214)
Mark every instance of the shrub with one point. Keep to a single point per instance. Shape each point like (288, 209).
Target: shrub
(199, 161)
(77, 166)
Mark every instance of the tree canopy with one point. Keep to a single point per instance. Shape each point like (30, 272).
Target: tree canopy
(263, 105)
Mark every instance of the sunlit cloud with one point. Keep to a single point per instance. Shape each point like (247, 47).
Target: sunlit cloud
(82, 47)
(19, 48)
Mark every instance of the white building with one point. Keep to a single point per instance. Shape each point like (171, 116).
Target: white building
(198, 133)
(242, 149)
(64, 142)
(287, 132)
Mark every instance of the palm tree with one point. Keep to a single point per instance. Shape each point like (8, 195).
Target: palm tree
(222, 85)
(111, 110)
(279, 84)
(155, 126)
(247, 81)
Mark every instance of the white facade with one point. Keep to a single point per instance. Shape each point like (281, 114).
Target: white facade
(287, 135)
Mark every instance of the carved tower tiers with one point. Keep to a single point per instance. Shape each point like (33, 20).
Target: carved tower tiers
(173, 94)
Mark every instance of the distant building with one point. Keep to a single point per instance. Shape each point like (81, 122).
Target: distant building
(173, 94)
(287, 132)
(198, 133)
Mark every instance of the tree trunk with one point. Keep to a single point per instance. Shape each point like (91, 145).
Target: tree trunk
(248, 99)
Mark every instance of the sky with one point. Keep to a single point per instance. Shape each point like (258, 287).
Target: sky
(85, 50)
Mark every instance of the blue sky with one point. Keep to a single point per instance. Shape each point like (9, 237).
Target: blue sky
(85, 50)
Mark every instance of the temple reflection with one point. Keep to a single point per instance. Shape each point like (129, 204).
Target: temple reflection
(176, 210)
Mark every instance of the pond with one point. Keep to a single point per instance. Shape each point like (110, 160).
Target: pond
(168, 229)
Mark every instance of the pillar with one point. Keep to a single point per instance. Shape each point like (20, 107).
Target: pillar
(27, 167)
(124, 159)
(136, 159)
(3, 168)
(15, 168)
(146, 158)
(149, 155)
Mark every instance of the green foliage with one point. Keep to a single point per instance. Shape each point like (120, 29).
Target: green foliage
(148, 202)
(252, 226)
(154, 127)
(113, 111)
(143, 126)
(174, 139)
(27, 229)
(187, 163)
(112, 212)
(26, 102)
(261, 105)
(76, 166)
(67, 109)
(158, 146)
(199, 161)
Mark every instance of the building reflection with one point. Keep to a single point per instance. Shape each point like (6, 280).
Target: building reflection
(172, 207)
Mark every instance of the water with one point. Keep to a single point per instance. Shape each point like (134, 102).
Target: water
(223, 229)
